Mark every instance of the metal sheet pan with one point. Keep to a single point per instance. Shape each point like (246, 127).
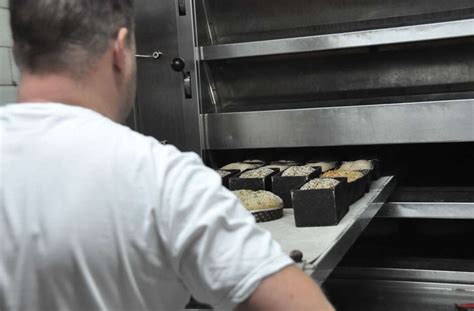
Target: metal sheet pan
(323, 247)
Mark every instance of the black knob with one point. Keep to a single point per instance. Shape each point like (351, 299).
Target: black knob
(297, 256)
(178, 64)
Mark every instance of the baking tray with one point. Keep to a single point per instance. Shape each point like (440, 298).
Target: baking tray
(282, 185)
(324, 247)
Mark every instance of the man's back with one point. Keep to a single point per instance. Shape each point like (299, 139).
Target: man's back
(95, 216)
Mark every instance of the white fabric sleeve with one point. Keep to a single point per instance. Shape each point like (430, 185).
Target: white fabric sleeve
(214, 245)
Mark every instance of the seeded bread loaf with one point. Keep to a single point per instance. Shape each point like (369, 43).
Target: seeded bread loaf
(240, 166)
(324, 183)
(359, 165)
(325, 166)
(257, 173)
(298, 171)
(256, 201)
(287, 163)
(350, 175)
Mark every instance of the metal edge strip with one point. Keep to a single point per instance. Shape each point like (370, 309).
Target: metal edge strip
(418, 275)
(427, 210)
(419, 122)
(324, 265)
(395, 35)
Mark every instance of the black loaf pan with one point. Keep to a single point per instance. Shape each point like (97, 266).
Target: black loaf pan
(255, 184)
(361, 186)
(225, 179)
(357, 188)
(377, 170)
(375, 173)
(321, 207)
(282, 185)
(369, 176)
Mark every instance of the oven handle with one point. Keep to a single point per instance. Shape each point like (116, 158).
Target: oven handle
(179, 65)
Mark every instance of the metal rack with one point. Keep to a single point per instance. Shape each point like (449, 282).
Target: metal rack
(356, 39)
(444, 121)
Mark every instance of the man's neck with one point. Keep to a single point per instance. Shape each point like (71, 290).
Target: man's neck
(63, 89)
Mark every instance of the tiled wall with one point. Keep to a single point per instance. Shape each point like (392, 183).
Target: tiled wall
(9, 74)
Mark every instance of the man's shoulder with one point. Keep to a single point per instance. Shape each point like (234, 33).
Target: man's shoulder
(81, 130)
(129, 143)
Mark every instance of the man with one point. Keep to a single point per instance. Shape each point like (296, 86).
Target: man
(96, 217)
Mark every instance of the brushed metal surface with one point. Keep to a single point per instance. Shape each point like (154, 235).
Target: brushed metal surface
(419, 72)
(160, 112)
(250, 20)
(427, 210)
(375, 295)
(366, 38)
(190, 91)
(425, 122)
(442, 276)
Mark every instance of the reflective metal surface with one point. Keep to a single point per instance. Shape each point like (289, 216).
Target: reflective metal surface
(418, 275)
(323, 247)
(376, 295)
(190, 92)
(250, 20)
(415, 33)
(310, 73)
(433, 71)
(432, 210)
(452, 194)
(160, 113)
(445, 121)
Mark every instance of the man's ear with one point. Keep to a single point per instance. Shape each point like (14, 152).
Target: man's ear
(121, 49)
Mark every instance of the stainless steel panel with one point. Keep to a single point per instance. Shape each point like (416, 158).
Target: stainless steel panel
(424, 210)
(451, 194)
(160, 112)
(397, 35)
(323, 247)
(193, 130)
(417, 72)
(376, 295)
(439, 276)
(250, 20)
(444, 121)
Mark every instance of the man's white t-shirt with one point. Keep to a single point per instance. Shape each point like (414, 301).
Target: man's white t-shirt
(94, 216)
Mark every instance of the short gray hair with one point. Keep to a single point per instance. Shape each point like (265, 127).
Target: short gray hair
(65, 35)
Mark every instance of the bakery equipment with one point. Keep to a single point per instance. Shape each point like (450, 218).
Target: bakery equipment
(337, 81)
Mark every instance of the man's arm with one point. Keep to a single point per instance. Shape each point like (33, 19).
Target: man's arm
(289, 289)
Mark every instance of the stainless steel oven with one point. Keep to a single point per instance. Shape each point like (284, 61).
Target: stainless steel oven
(392, 80)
